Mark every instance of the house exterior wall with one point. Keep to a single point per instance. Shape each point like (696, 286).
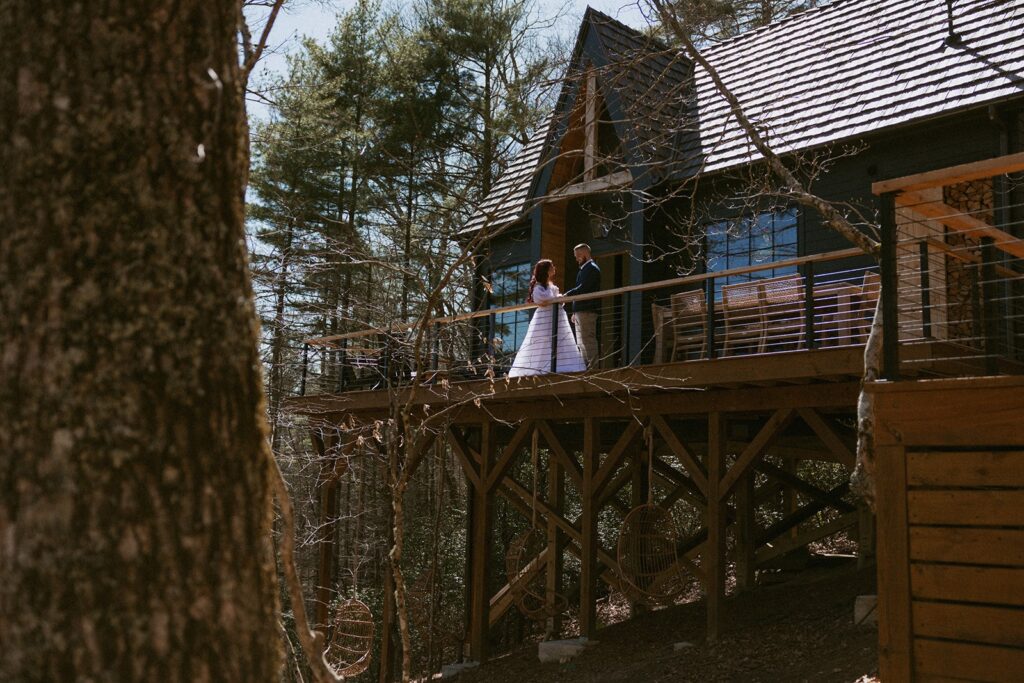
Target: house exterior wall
(672, 226)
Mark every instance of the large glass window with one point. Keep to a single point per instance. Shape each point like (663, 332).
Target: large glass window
(752, 241)
(510, 285)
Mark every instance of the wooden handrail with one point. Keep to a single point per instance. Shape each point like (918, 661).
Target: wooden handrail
(951, 175)
(647, 286)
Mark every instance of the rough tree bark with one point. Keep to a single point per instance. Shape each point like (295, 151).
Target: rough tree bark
(135, 499)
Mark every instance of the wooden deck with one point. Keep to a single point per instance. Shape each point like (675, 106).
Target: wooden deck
(804, 378)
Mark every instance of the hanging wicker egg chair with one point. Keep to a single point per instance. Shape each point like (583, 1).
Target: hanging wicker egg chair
(351, 645)
(650, 569)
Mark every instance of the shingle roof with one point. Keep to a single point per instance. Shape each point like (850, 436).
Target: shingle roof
(855, 67)
(507, 200)
(833, 73)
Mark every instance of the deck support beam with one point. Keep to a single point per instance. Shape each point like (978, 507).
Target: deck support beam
(481, 536)
(716, 522)
(555, 543)
(588, 530)
(746, 532)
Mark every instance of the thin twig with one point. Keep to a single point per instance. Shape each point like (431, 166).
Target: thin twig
(312, 641)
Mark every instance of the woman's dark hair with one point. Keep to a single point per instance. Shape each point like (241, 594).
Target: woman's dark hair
(541, 274)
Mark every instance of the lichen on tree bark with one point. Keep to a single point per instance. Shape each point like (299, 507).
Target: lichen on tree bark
(135, 500)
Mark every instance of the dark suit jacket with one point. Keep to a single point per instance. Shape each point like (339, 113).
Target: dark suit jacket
(588, 280)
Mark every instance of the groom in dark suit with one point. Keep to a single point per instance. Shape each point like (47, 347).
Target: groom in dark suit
(584, 313)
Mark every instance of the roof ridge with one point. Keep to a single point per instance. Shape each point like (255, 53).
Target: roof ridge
(592, 13)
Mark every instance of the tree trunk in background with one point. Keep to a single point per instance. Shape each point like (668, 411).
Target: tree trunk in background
(135, 505)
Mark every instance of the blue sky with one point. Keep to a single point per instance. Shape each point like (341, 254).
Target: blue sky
(316, 18)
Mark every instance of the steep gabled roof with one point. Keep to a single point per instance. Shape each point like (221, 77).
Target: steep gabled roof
(647, 81)
(837, 72)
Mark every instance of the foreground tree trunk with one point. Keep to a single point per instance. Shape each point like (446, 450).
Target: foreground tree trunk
(135, 500)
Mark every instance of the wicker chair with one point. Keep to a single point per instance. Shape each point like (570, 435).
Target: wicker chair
(689, 324)
(744, 318)
(785, 320)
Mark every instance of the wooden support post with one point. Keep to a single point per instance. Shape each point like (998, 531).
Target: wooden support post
(588, 530)
(895, 639)
(479, 577)
(716, 522)
(790, 504)
(555, 542)
(328, 549)
(746, 533)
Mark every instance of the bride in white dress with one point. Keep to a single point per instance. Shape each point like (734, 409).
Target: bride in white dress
(534, 355)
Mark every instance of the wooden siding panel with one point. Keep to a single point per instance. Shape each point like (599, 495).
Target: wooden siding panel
(969, 412)
(973, 623)
(965, 468)
(552, 241)
(968, 661)
(991, 585)
(966, 507)
(965, 545)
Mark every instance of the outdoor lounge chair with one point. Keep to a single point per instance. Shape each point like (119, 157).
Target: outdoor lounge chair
(783, 306)
(744, 318)
(689, 324)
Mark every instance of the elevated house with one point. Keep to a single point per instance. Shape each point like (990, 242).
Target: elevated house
(733, 320)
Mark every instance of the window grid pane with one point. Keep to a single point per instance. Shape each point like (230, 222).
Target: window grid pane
(751, 241)
(509, 286)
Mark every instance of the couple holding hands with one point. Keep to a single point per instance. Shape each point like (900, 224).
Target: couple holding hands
(573, 355)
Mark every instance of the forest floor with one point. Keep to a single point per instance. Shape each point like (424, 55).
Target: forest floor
(800, 630)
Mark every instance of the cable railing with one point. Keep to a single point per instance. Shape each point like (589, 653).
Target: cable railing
(817, 301)
(950, 279)
(957, 263)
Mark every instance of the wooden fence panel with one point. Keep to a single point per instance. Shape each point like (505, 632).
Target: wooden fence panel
(950, 480)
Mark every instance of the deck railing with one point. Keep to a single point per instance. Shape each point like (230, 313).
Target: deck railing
(955, 277)
(950, 277)
(822, 300)
(954, 261)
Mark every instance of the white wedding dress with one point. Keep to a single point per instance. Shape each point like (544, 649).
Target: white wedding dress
(534, 355)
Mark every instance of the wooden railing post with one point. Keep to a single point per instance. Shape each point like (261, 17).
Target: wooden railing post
(926, 294)
(989, 311)
(710, 326)
(809, 331)
(889, 293)
(555, 309)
